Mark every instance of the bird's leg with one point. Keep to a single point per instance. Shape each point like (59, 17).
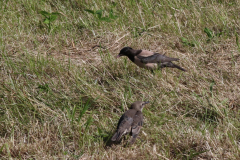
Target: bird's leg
(153, 72)
(159, 65)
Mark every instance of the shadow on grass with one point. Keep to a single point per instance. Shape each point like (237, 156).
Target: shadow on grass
(206, 115)
(106, 137)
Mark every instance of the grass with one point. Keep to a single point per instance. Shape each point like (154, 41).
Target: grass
(62, 90)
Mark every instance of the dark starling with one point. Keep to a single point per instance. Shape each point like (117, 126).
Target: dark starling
(130, 122)
(149, 60)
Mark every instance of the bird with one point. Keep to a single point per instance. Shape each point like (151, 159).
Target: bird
(130, 122)
(148, 59)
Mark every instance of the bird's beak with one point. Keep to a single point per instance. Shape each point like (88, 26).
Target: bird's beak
(119, 55)
(146, 102)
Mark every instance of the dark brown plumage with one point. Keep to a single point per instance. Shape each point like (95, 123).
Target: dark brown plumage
(130, 122)
(149, 60)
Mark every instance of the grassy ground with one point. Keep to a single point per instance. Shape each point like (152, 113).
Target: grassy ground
(62, 91)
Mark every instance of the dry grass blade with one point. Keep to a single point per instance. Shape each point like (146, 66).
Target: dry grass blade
(62, 90)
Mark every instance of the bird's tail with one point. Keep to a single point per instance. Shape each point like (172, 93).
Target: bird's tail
(114, 137)
(117, 136)
(178, 67)
(172, 65)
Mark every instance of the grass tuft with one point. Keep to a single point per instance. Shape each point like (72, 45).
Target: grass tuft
(62, 91)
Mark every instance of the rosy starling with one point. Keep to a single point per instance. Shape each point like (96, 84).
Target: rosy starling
(149, 60)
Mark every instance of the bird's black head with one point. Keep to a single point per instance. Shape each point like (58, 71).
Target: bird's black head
(124, 51)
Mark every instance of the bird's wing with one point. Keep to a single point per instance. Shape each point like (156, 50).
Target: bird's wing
(172, 65)
(124, 126)
(156, 58)
(136, 126)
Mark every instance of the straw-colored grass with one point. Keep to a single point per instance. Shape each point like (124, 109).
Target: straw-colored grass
(62, 90)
